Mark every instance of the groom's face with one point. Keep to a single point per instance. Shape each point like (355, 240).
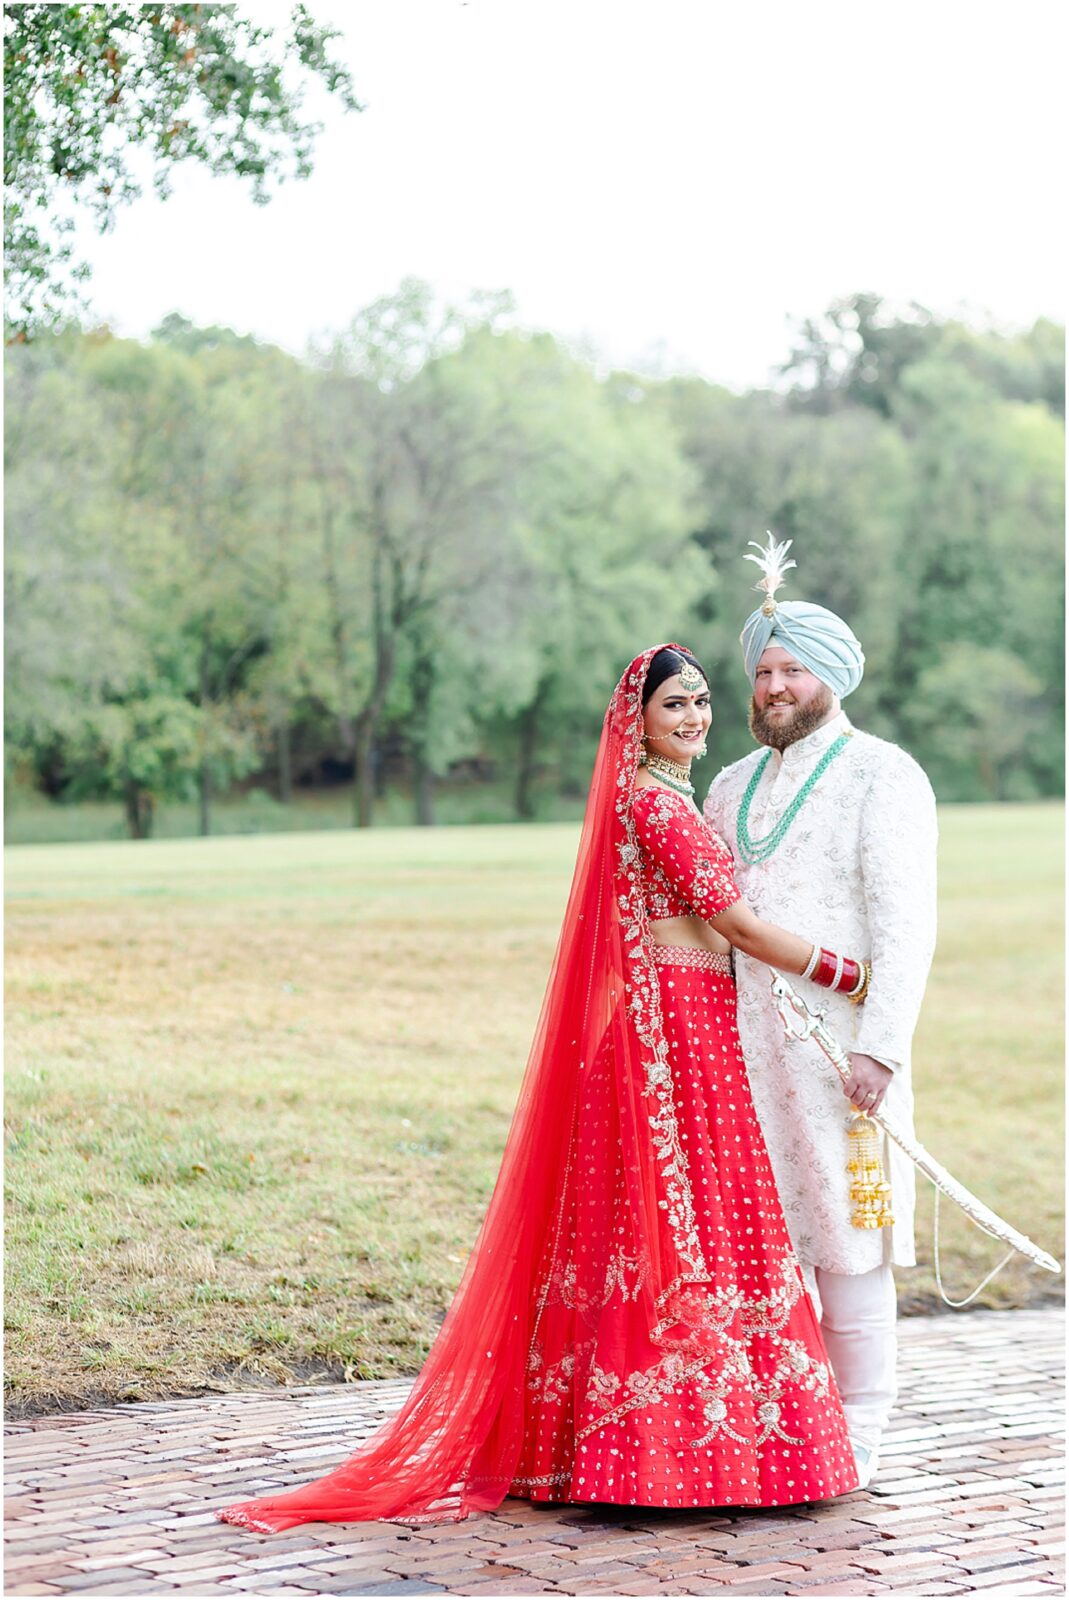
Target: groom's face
(788, 701)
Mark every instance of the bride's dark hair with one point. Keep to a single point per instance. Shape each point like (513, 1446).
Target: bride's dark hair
(665, 664)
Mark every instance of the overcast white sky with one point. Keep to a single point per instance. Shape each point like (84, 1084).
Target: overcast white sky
(669, 176)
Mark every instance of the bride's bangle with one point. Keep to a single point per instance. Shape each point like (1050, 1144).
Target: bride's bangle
(841, 973)
(857, 995)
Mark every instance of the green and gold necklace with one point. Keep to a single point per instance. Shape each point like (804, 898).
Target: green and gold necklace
(752, 850)
(672, 773)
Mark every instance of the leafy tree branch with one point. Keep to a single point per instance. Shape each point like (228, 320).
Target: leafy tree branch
(88, 86)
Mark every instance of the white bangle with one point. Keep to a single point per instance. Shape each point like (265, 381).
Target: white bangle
(811, 964)
(838, 978)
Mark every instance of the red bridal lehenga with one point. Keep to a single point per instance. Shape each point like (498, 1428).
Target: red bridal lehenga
(631, 1326)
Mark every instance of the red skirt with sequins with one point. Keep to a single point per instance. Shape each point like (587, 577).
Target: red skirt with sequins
(611, 1415)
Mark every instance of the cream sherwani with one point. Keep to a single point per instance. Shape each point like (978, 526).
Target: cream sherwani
(855, 872)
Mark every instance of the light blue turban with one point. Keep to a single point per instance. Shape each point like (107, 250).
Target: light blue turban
(812, 634)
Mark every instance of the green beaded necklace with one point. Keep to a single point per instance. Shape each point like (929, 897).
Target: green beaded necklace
(753, 851)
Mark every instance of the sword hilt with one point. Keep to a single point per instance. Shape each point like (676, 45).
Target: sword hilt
(797, 1019)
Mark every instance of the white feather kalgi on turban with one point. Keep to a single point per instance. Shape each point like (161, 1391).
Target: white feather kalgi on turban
(812, 634)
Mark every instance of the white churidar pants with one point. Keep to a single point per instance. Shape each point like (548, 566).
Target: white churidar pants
(857, 1323)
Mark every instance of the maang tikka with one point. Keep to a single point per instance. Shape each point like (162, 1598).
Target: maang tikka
(690, 679)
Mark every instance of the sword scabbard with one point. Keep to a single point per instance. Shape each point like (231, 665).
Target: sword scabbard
(789, 1003)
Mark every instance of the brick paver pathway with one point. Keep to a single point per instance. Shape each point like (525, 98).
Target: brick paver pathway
(968, 1500)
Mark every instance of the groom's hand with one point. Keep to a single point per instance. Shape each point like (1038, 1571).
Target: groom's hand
(868, 1082)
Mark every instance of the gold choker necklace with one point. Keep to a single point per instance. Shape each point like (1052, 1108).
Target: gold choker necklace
(673, 773)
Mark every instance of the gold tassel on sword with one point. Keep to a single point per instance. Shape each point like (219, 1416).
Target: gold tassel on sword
(800, 1022)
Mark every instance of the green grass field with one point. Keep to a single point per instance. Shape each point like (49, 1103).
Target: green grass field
(30, 818)
(257, 1087)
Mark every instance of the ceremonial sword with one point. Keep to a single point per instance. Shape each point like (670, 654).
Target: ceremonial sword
(800, 1022)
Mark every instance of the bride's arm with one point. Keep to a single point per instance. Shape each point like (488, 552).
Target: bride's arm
(777, 948)
(763, 940)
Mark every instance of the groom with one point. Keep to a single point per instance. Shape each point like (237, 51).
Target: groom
(833, 833)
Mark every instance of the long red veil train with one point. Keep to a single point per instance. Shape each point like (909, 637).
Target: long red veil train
(455, 1444)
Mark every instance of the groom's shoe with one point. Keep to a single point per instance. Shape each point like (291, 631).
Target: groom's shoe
(867, 1457)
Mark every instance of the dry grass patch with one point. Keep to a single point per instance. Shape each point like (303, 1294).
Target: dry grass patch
(258, 1088)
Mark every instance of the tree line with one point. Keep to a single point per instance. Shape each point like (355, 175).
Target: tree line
(427, 550)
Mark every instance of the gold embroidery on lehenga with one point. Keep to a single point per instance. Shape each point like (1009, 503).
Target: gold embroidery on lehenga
(644, 1389)
(623, 1272)
(768, 1313)
(627, 1274)
(555, 1384)
(712, 1314)
(692, 959)
(602, 1385)
(545, 1481)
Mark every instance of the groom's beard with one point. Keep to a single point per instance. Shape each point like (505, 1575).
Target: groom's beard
(805, 717)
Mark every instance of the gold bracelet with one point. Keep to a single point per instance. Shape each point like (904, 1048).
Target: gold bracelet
(862, 989)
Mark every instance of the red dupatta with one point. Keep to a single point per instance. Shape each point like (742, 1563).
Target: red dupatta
(455, 1444)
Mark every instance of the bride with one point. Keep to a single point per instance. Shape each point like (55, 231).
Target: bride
(632, 1326)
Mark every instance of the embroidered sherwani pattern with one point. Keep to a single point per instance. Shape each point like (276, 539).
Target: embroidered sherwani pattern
(856, 868)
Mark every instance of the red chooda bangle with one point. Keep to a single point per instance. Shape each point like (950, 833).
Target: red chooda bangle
(841, 973)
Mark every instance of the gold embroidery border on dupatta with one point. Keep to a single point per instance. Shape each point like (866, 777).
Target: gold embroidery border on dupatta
(630, 690)
(643, 991)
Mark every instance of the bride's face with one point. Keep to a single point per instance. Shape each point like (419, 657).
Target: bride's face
(676, 721)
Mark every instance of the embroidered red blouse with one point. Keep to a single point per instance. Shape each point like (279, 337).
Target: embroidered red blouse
(688, 870)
